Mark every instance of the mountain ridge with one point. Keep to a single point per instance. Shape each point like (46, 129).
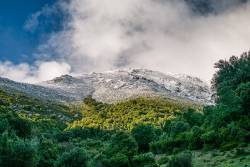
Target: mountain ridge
(117, 85)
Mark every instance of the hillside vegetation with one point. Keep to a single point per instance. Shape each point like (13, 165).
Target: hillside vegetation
(128, 114)
(141, 132)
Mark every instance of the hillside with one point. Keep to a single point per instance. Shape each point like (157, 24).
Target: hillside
(151, 131)
(137, 132)
(115, 86)
(43, 113)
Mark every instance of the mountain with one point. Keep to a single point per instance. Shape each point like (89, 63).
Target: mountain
(113, 86)
(33, 90)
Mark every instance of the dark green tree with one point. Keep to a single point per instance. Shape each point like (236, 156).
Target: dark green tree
(117, 160)
(232, 75)
(21, 126)
(48, 153)
(174, 127)
(75, 158)
(15, 152)
(143, 160)
(123, 143)
(181, 160)
(144, 134)
(243, 91)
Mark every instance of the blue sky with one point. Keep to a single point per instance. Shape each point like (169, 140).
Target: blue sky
(17, 43)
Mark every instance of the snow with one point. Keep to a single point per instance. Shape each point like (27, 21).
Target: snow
(117, 85)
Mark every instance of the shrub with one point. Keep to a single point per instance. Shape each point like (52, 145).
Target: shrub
(167, 145)
(193, 117)
(122, 143)
(210, 138)
(193, 138)
(172, 128)
(75, 158)
(89, 100)
(144, 134)
(15, 152)
(163, 160)
(181, 160)
(143, 160)
(240, 152)
(47, 153)
(243, 91)
(21, 126)
(117, 160)
(4, 125)
(228, 145)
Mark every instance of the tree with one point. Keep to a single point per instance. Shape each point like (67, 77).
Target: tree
(143, 134)
(175, 127)
(232, 85)
(123, 143)
(193, 117)
(231, 74)
(15, 152)
(4, 125)
(143, 160)
(117, 160)
(181, 160)
(90, 101)
(243, 91)
(21, 126)
(75, 158)
(194, 138)
(47, 153)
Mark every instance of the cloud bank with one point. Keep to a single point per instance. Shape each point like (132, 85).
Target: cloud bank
(164, 35)
(40, 71)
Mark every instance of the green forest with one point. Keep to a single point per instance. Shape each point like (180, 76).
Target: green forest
(141, 132)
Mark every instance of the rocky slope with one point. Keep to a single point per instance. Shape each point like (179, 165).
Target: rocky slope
(117, 85)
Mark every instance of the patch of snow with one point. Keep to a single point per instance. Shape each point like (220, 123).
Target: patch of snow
(117, 85)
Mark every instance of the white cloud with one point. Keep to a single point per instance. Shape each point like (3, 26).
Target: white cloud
(155, 34)
(50, 70)
(163, 35)
(41, 71)
(42, 18)
(33, 21)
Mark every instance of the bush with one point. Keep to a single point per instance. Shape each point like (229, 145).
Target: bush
(144, 134)
(21, 126)
(181, 160)
(228, 145)
(241, 152)
(144, 160)
(194, 139)
(75, 158)
(4, 125)
(163, 160)
(15, 152)
(90, 101)
(243, 91)
(193, 117)
(175, 127)
(122, 143)
(48, 153)
(167, 145)
(210, 138)
(117, 160)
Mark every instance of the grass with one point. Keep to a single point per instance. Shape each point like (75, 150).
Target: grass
(216, 158)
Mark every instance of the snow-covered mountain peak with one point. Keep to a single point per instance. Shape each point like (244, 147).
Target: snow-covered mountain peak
(117, 85)
(122, 84)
